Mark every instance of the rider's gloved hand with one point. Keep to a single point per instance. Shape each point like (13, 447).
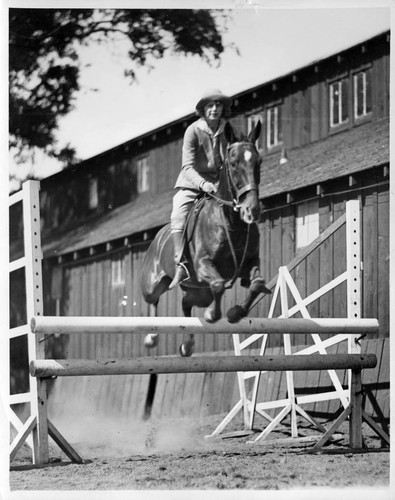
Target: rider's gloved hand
(208, 187)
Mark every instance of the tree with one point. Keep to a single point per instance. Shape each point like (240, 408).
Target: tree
(44, 65)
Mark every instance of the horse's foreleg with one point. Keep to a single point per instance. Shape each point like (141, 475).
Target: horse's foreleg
(208, 272)
(188, 345)
(151, 340)
(256, 288)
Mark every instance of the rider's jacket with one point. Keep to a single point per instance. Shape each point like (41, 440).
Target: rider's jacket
(203, 154)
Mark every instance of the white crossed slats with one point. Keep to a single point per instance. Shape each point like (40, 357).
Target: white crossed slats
(18, 331)
(316, 338)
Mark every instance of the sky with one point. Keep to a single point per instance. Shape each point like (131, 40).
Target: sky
(271, 42)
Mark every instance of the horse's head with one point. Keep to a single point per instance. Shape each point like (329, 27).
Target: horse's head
(243, 170)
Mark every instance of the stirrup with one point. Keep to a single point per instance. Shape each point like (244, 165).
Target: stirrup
(177, 280)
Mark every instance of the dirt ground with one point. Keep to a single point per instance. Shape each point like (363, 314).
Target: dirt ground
(174, 455)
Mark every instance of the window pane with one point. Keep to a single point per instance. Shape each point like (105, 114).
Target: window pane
(93, 195)
(362, 93)
(142, 175)
(274, 131)
(359, 94)
(269, 128)
(368, 90)
(279, 125)
(344, 101)
(339, 102)
(335, 103)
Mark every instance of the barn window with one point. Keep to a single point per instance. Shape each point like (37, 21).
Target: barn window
(93, 193)
(142, 175)
(274, 132)
(338, 99)
(307, 223)
(252, 120)
(362, 93)
(118, 271)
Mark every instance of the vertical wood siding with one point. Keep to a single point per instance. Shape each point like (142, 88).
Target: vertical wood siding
(305, 119)
(87, 287)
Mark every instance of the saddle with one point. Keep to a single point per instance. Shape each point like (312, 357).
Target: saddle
(188, 231)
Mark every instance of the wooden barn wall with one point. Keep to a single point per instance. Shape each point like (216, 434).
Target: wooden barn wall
(305, 119)
(306, 104)
(329, 260)
(87, 288)
(166, 164)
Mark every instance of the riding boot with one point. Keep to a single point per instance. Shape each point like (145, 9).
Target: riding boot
(181, 271)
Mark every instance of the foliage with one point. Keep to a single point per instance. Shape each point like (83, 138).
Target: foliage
(44, 63)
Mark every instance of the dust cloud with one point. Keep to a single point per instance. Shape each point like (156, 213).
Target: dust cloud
(91, 432)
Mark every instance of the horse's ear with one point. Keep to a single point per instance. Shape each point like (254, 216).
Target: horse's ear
(229, 133)
(255, 132)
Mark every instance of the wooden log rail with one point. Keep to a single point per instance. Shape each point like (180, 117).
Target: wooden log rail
(48, 325)
(150, 365)
(356, 362)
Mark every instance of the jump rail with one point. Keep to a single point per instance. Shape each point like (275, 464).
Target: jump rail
(150, 365)
(356, 362)
(89, 324)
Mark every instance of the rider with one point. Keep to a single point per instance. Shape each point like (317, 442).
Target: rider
(203, 154)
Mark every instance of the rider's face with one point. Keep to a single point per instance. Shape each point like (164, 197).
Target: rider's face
(213, 110)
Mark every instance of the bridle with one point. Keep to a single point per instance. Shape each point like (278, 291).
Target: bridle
(235, 191)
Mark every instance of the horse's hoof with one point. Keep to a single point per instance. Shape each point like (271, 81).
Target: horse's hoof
(235, 314)
(211, 318)
(186, 350)
(151, 340)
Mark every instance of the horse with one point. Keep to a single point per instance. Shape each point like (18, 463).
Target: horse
(221, 242)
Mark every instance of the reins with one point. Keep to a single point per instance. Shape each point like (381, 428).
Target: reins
(232, 204)
(238, 267)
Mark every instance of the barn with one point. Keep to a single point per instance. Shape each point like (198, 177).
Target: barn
(324, 141)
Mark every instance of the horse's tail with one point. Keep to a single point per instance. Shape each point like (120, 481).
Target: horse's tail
(158, 267)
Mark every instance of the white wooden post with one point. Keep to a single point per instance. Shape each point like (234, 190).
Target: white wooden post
(354, 267)
(34, 305)
(288, 350)
(241, 383)
(37, 424)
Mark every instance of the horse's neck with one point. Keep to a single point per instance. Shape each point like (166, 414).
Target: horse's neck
(224, 190)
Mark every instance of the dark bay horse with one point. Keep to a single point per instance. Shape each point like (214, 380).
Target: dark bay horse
(222, 242)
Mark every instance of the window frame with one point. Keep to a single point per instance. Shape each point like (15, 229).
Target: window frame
(367, 115)
(93, 194)
(279, 132)
(351, 98)
(142, 181)
(344, 124)
(252, 119)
